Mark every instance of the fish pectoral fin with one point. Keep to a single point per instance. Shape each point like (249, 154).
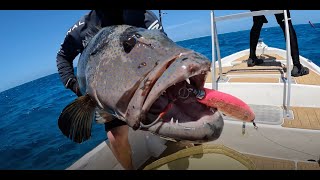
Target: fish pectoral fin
(75, 121)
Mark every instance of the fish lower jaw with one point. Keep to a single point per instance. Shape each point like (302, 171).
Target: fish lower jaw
(191, 125)
(207, 128)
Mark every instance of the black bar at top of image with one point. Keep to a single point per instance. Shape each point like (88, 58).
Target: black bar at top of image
(160, 4)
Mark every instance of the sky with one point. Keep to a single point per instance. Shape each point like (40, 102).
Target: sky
(30, 39)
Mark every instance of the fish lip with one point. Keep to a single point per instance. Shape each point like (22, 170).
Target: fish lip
(136, 115)
(197, 80)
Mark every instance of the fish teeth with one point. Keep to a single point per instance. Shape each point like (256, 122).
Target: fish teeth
(177, 121)
(188, 80)
(171, 122)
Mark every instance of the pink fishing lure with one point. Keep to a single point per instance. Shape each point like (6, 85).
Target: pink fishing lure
(228, 104)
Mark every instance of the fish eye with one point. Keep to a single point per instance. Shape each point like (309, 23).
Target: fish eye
(129, 44)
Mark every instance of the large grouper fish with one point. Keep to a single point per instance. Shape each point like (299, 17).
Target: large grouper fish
(142, 77)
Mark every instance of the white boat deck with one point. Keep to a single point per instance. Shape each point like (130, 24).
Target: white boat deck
(273, 71)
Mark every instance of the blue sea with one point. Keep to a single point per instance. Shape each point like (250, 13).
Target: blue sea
(29, 135)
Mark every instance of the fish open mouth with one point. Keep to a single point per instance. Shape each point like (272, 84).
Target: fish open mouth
(175, 111)
(179, 104)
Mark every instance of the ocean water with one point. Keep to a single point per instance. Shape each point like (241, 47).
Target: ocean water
(29, 135)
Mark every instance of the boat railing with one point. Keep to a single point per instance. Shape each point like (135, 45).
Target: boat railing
(215, 46)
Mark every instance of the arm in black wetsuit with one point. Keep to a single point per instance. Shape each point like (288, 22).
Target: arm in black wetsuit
(65, 58)
(70, 48)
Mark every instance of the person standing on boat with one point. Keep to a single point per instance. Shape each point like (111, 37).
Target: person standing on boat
(258, 21)
(74, 43)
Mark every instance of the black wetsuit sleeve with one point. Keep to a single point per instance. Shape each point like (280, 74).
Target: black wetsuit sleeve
(69, 50)
(152, 22)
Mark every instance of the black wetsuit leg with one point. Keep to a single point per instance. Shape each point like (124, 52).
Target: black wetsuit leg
(255, 33)
(293, 38)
